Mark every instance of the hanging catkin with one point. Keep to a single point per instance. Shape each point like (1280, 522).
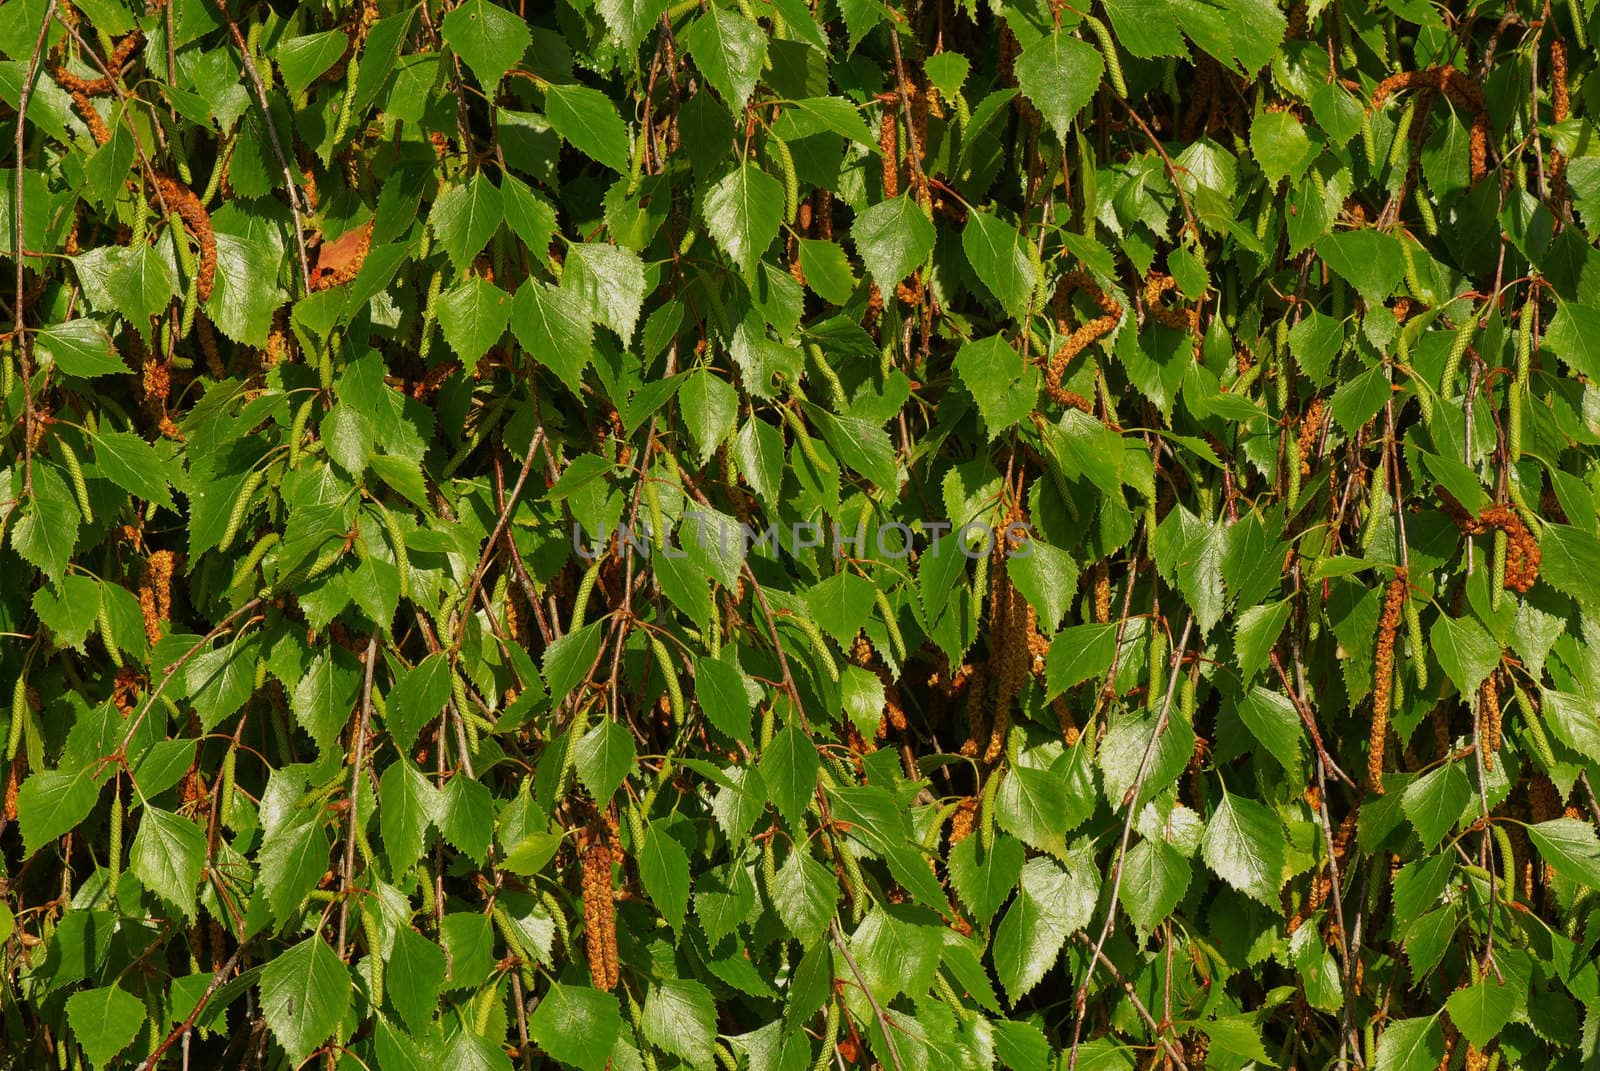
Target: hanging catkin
(1394, 598)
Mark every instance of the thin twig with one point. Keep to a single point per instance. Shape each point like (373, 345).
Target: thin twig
(877, 1009)
(1131, 802)
(293, 188)
(16, 227)
(353, 816)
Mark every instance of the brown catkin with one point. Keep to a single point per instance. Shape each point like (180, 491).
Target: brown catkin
(889, 144)
(964, 820)
(1078, 339)
(1489, 714)
(1394, 598)
(1523, 555)
(181, 199)
(1102, 591)
(155, 593)
(599, 911)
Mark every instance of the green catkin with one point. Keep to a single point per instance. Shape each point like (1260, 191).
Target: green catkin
(1519, 383)
(803, 439)
(458, 694)
(1157, 667)
(430, 313)
(8, 371)
(19, 717)
(1537, 737)
(580, 605)
(986, 809)
(80, 486)
(1377, 505)
(397, 543)
(141, 217)
(347, 110)
(1369, 142)
(1414, 645)
(686, 243)
(569, 754)
(664, 663)
(1398, 148)
(658, 527)
(853, 882)
(1292, 464)
(559, 917)
(1458, 350)
(369, 927)
(830, 1034)
(1498, 566)
(297, 430)
(1508, 860)
(980, 588)
(241, 506)
(102, 620)
(250, 562)
(114, 852)
(769, 871)
(1580, 31)
(1108, 49)
(830, 379)
(897, 642)
(819, 646)
(191, 270)
(635, 819)
(1425, 212)
(425, 880)
(1413, 277)
(791, 178)
(483, 1008)
(769, 724)
(230, 763)
(1188, 696)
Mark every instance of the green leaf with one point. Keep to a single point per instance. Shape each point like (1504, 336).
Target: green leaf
(1004, 385)
(133, 465)
(1281, 145)
(1000, 257)
(464, 218)
(473, 315)
(488, 37)
(168, 856)
(589, 121)
(1273, 721)
(804, 894)
(789, 767)
(410, 802)
(576, 1025)
(1155, 878)
(743, 212)
(105, 1021)
(302, 60)
(720, 687)
(326, 696)
(605, 758)
(1244, 846)
(893, 237)
(841, 604)
(1570, 846)
(1574, 336)
(568, 660)
(1571, 561)
(81, 348)
(418, 698)
(553, 332)
(984, 878)
(305, 992)
(1077, 654)
(609, 281)
(1052, 904)
(141, 284)
(1481, 1010)
(1410, 1045)
(681, 1018)
(730, 50)
(421, 964)
(664, 870)
(1435, 801)
(1369, 260)
(53, 802)
(1466, 651)
(1060, 74)
(293, 857)
(1031, 806)
(1047, 577)
(466, 816)
(48, 531)
(827, 270)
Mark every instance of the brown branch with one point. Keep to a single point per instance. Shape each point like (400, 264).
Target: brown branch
(17, 226)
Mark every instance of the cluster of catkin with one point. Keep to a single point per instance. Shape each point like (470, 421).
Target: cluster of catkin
(599, 911)
(1079, 338)
(1461, 90)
